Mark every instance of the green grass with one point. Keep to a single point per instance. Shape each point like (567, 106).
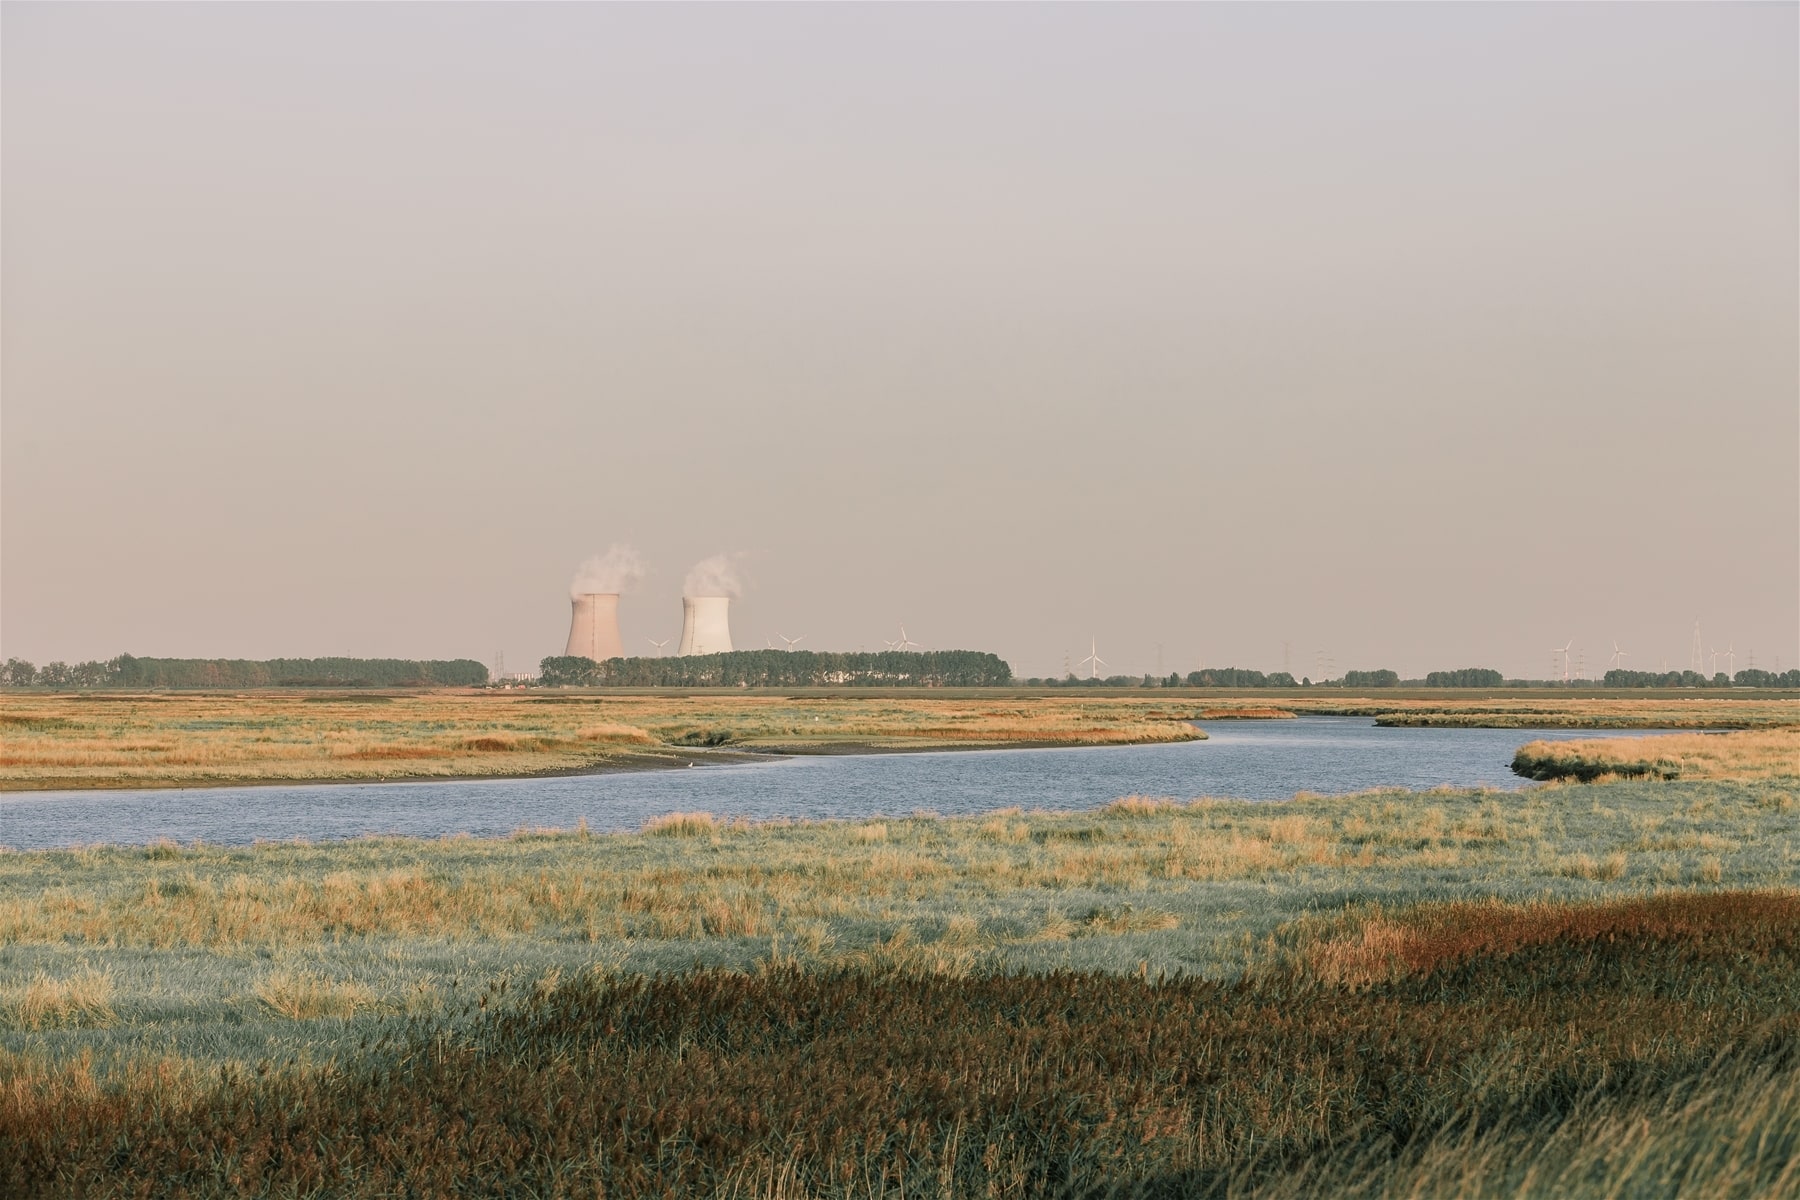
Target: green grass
(1644, 1047)
(193, 939)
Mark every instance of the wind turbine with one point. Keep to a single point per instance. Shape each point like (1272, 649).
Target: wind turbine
(1564, 651)
(1093, 662)
(1618, 656)
(1715, 660)
(905, 643)
(659, 645)
(1731, 658)
(890, 645)
(791, 642)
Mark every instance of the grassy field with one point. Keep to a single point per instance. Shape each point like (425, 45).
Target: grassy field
(193, 946)
(1762, 754)
(1561, 709)
(169, 739)
(105, 740)
(1582, 989)
(1644, 1047)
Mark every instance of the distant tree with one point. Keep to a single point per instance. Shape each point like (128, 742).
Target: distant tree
(128, 671)
(1756, 677)
(56, 675)
(1282, 679)
(1371, 679)
(1466, 677)
(785, 668)
(1228, 677)
(17, 673)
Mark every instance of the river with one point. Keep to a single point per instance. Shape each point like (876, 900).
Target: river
(1257, 760)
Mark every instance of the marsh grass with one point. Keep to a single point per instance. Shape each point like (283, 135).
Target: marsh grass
(302, 995)
(1761, 754)
(83, 998)
(1643, 1047)
(188, 934)
(140, 740)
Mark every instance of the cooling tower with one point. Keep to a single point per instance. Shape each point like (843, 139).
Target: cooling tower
(594, 627)
(705, 625)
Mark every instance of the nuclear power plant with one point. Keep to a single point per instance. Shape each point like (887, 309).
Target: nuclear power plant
(594, 627)
(594, 605)
(705, 625)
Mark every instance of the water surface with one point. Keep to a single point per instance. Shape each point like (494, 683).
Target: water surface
(1258, 760)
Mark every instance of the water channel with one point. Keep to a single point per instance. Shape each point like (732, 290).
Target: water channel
(1257, 760)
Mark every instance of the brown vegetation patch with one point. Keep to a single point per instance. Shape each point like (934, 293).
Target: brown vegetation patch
(1363, 949)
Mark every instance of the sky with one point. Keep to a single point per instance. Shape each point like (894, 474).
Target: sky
(1262, 335)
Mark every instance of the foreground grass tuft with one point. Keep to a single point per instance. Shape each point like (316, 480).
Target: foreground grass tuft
(84, 998)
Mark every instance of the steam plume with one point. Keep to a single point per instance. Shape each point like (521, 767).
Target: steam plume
(715, 576)
(615, 571)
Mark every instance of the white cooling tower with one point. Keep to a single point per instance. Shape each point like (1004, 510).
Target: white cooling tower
(594, 627)
(705, 625)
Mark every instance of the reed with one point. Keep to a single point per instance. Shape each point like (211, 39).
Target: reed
(143, 740)
(1491, 1051)
(1762, 754)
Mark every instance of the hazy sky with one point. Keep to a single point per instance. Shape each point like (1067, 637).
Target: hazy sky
(1422, 336)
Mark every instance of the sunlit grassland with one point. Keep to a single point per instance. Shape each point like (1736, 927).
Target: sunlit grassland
(1762, 754)
(1635, 1046)
(162, 739)
(234, 952)
(1550, 709)
(142, 740)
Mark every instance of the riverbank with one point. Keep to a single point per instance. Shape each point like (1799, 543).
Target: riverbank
(83, 741)
(96, 741)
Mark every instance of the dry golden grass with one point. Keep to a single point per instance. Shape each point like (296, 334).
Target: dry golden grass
(106, 740)
(303, 995)
(680, 824)
(1745, 756)
(691, 877)
(163, 739)
(84, 998)
(1557, 710)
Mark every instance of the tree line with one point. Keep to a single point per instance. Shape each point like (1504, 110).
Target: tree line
(784, 668)
(1748, 677)
(128, 671)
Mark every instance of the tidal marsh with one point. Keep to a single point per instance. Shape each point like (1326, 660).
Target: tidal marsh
(1761, 754)
(1643, 1047)
(191, 936)
(173, 739)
